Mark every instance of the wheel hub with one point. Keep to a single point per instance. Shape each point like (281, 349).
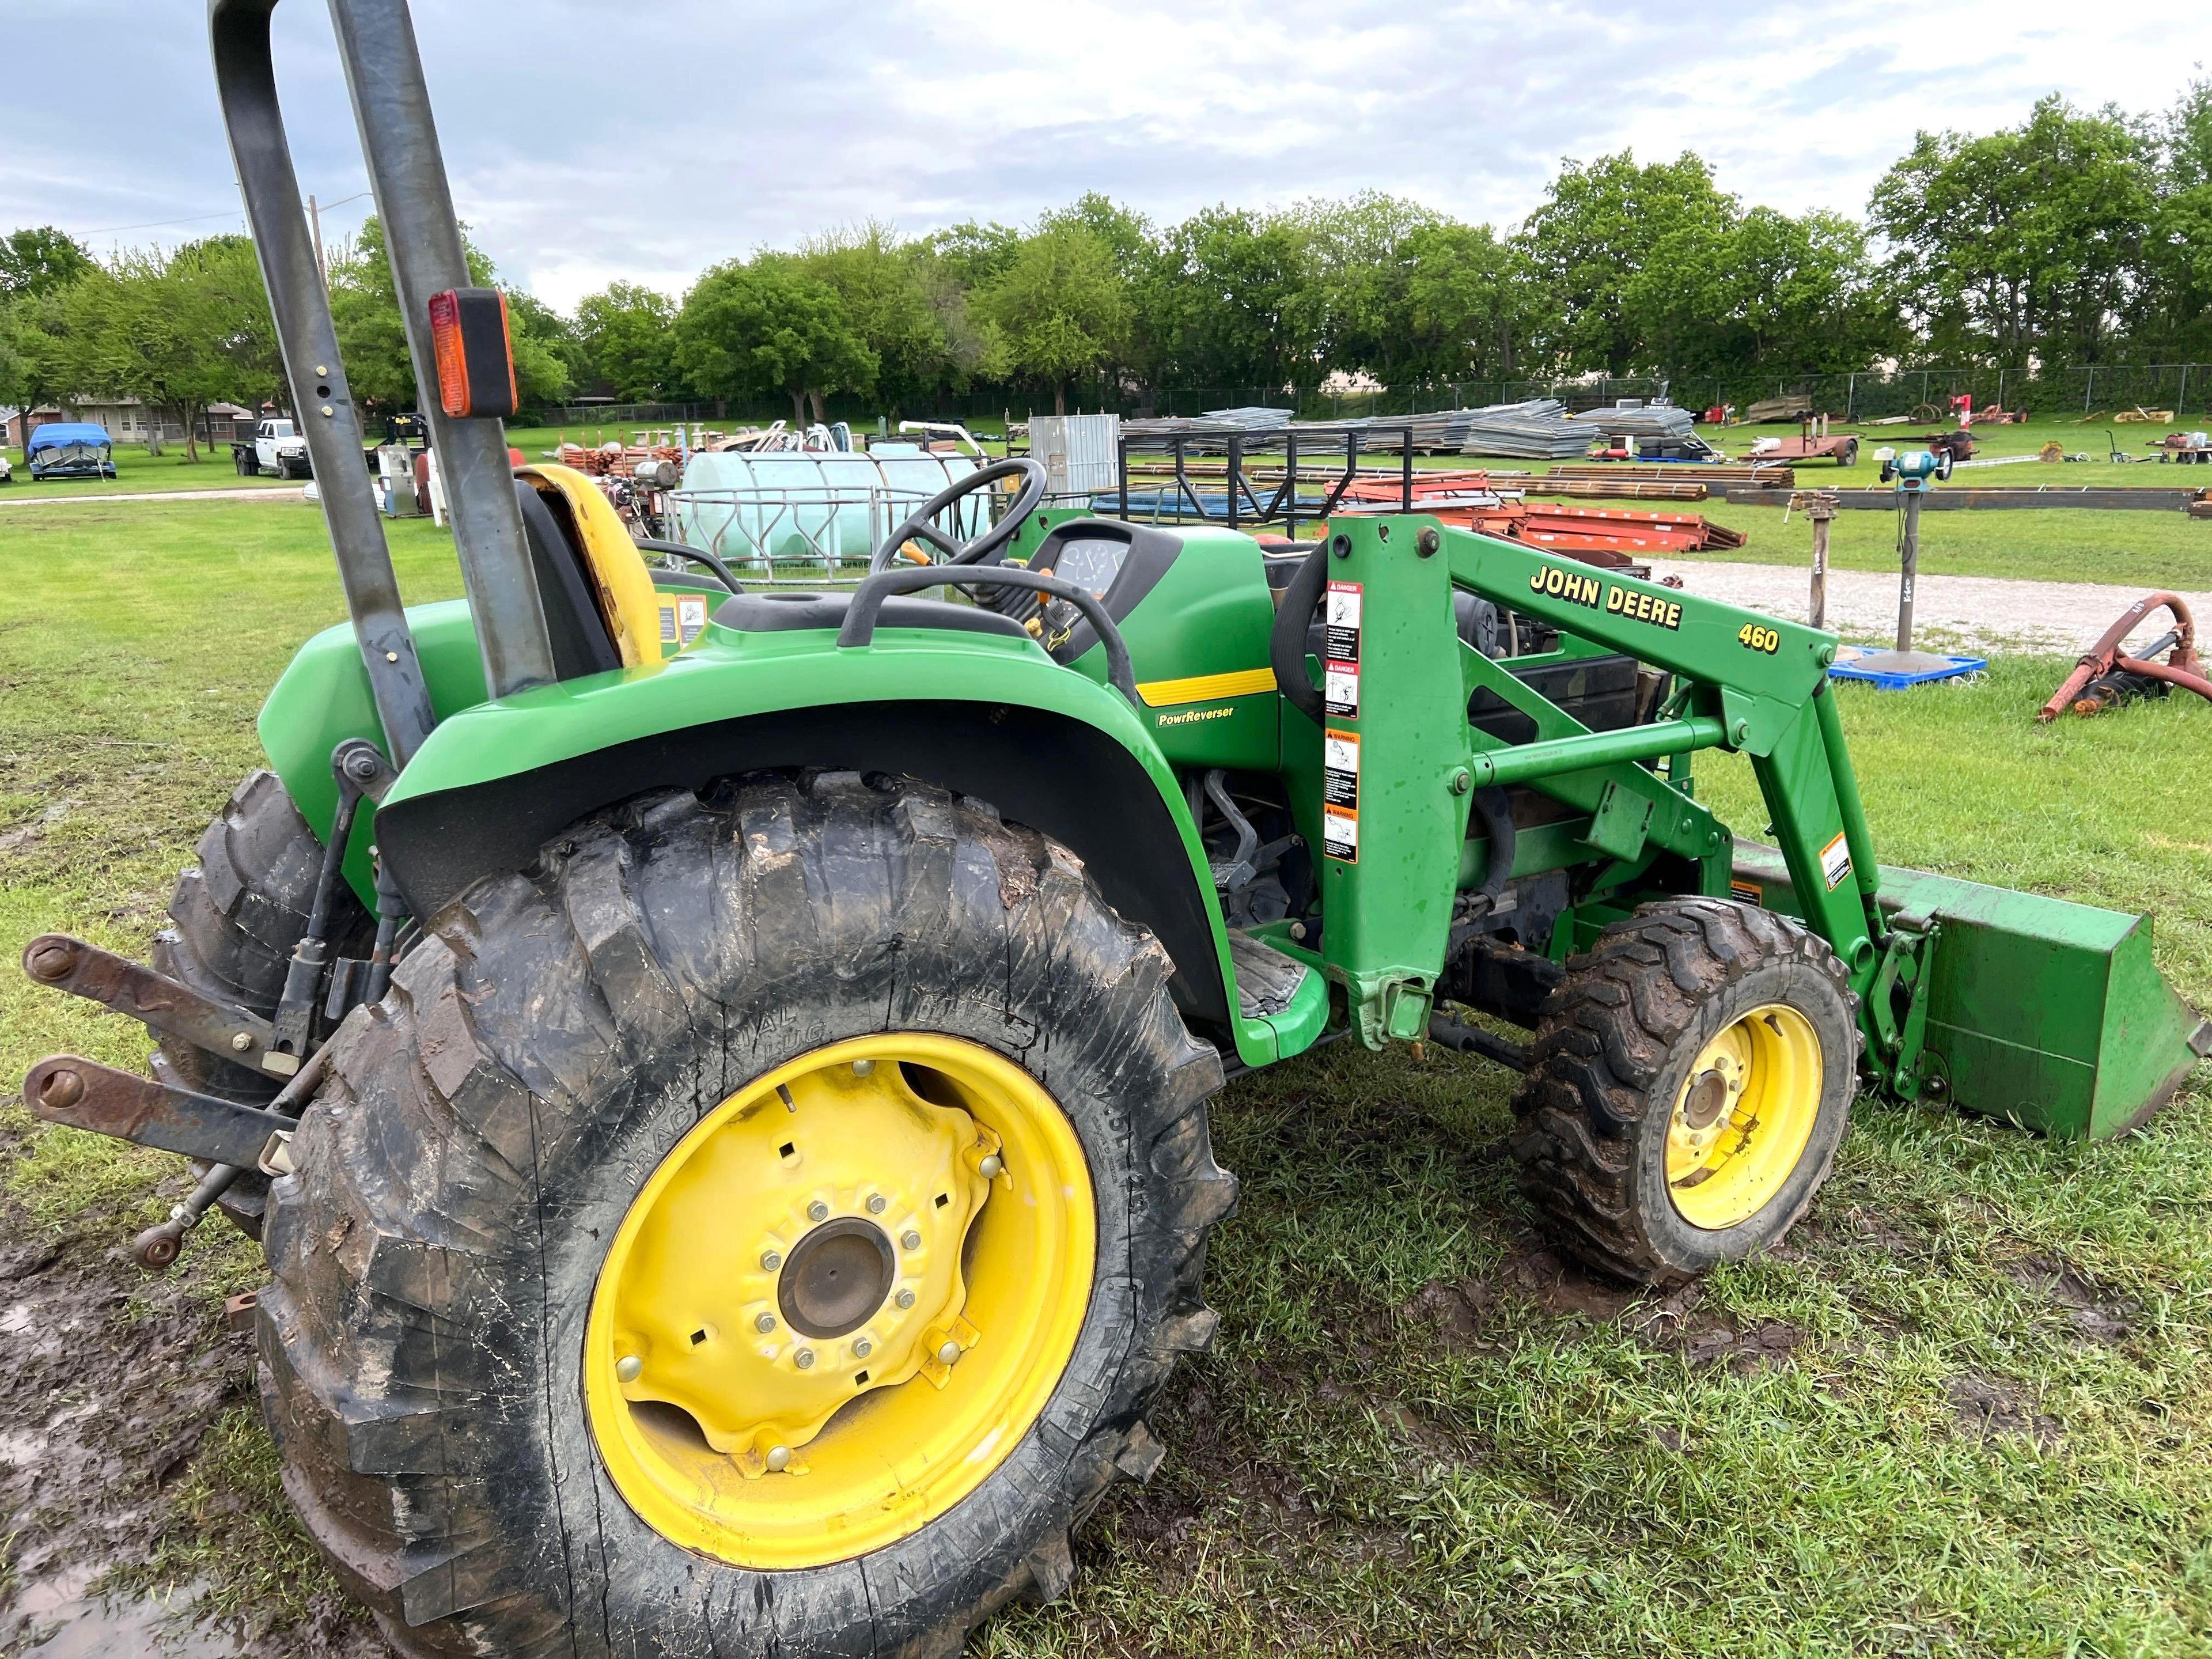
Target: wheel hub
(813, 1324)
(1743, 1116)
(837, 1276)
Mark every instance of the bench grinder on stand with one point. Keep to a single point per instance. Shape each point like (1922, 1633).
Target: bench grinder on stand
(1911, 473)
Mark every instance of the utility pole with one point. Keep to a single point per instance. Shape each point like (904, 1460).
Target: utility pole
(315, 219)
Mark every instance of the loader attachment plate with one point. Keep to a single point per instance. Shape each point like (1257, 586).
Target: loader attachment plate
(2042, 1011)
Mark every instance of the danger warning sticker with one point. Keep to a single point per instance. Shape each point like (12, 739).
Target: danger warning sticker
(1339, 688)
(1835, 862)
(1340, 624)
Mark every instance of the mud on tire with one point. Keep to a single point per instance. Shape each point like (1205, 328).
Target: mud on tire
(1613, 1051)
(556, 1032)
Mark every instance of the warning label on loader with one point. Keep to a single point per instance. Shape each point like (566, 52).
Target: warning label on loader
(1835, 862)
(1339, 689)
(1340, 794)
(1340, 624)
(1340, 834)
(1339, 768)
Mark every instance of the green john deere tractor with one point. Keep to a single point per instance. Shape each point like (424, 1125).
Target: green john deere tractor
(725, 1109)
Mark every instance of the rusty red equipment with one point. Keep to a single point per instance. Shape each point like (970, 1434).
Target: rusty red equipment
(2100, 680)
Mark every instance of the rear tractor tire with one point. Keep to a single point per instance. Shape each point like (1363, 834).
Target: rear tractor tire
(759, 1228)
(1689, 1083)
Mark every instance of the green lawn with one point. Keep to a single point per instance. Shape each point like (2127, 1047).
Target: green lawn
(1967, 1411)
(137, 472)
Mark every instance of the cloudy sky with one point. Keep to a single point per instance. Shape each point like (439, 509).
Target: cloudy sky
(590, 140)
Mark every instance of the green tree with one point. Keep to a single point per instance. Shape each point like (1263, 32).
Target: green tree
(1062, 308)
(233, 305)
(883, 286)
(36, 362)
(550, 360)
(142, 326)
(1358, 272)
(39, 259)
(1233, 304)
(768, 324)
(2172, 316)
(629, 335)
(976, 254)
(1470, 306)
(365, 309)
(2022, 242)
(37, 266)
(1602, 224)
(1137, 258)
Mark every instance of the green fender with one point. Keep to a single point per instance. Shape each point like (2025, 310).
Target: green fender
(558, 736)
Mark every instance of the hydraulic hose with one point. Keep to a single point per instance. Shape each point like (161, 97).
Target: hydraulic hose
(1286, 645)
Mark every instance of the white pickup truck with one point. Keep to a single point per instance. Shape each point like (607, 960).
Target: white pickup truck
(277, 450)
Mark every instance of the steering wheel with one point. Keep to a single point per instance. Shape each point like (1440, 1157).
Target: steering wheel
(979, 549)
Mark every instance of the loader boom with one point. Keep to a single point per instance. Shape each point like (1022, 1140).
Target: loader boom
(1966, 993)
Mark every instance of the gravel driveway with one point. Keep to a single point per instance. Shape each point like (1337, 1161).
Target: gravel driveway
(1985, 611)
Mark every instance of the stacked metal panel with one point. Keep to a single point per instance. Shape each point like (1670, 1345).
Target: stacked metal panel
(1641, 421)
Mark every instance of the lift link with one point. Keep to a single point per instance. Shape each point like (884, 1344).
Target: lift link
(164, 1005)
(83, 1094)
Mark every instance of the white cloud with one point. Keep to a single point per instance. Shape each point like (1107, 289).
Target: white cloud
(588, 143)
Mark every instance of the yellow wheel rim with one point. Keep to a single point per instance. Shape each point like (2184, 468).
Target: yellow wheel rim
(841, 1300)
(1744, 1116)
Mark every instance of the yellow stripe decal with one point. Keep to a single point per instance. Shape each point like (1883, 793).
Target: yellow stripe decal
(1243, 682)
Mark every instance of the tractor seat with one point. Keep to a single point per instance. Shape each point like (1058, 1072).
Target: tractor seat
(773, 613)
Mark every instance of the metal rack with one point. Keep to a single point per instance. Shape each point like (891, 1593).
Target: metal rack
(1239, 499)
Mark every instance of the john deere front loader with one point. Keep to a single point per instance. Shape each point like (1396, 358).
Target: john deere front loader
(720, 1077)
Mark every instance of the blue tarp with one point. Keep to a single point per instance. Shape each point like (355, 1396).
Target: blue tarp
(61, 434)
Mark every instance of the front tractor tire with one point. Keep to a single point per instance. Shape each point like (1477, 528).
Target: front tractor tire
(760, 1227)
(1689, 1082)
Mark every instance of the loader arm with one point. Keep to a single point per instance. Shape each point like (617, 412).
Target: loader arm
(2011, 1004)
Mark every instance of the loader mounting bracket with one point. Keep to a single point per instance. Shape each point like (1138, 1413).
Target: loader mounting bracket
(1897, 1004)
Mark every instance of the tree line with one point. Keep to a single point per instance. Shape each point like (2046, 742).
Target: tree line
(2075, 237)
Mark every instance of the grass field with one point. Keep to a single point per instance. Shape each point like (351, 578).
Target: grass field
(136, 473)
(1967, 1410)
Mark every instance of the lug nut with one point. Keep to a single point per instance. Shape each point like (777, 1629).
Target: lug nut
(629, 1367)
(764, 1322)
(863, 1348)
(949, 1354)
(818, 1210)
(804, 1359)
(771, 1260)
(877, 1204)
(864, 1068)
(904, 1298)
(779, 1459)
(62, 1090)
(992, 1166)
(910, 1239)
